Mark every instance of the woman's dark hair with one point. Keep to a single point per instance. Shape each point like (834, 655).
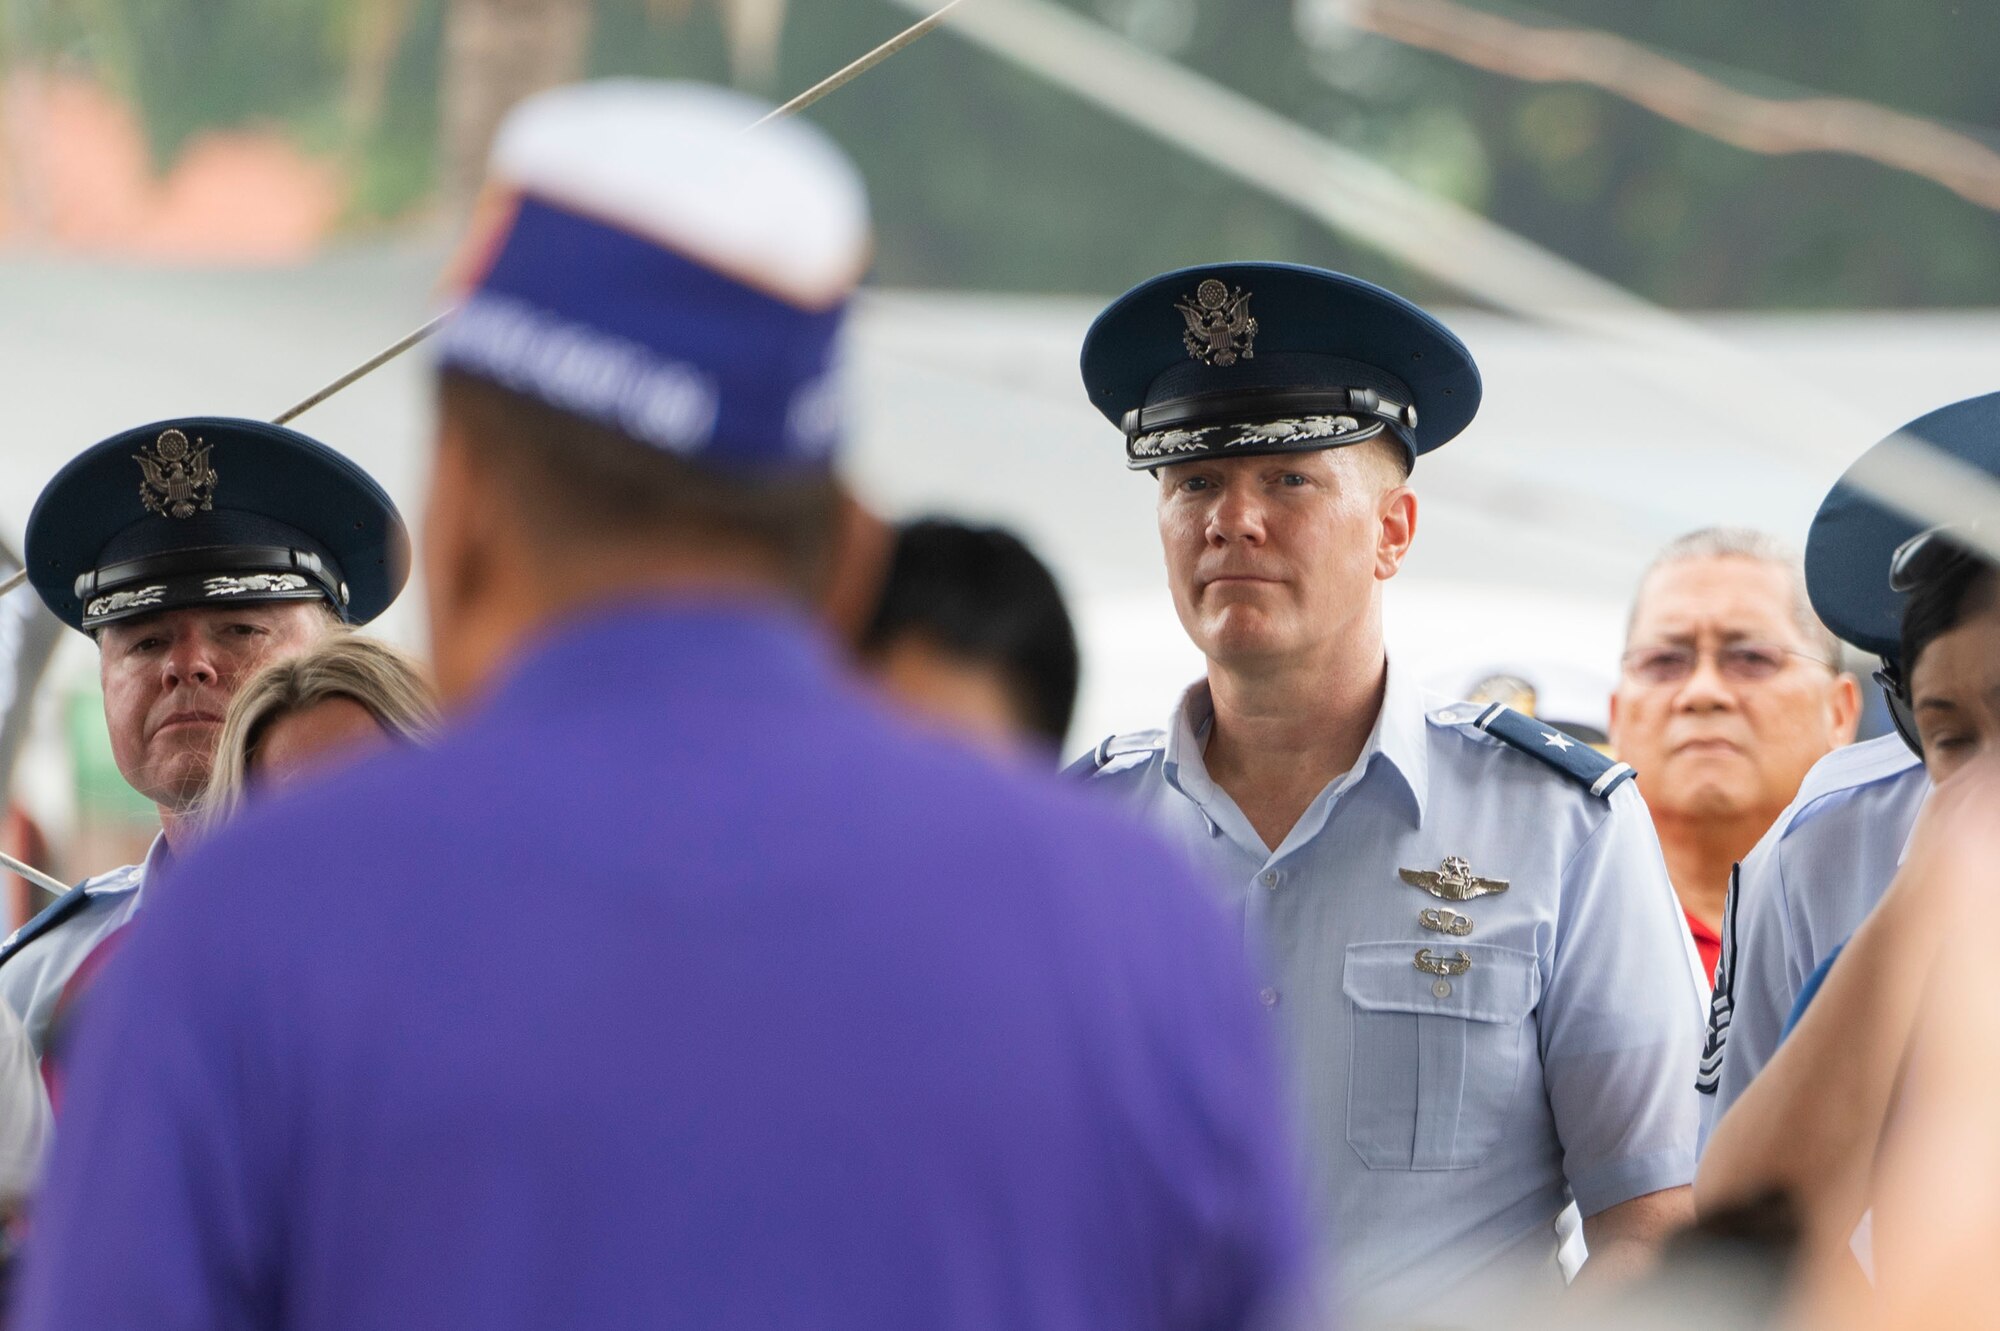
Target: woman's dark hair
(1957, 584)
(980, 594)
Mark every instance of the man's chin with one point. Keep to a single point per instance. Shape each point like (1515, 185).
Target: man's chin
(1709, 797)
(1246, 649)
(177, 782)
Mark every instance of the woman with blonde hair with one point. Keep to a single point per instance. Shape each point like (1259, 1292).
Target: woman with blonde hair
(296, 716)
(346, 696)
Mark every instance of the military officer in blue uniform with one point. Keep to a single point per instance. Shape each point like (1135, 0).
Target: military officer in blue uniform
(1828, 859)
(193, 551)
(1474, 950)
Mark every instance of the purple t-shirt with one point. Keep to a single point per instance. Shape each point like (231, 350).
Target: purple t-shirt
(680, 985)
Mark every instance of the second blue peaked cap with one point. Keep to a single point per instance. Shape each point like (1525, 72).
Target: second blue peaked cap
(1854, 536)
(1239, 359)
(208, 512)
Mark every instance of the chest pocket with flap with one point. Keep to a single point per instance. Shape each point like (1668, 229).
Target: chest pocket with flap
(1432, 1076)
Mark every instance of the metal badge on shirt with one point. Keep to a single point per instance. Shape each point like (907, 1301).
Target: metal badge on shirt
(1453, 881)
(1445, 922)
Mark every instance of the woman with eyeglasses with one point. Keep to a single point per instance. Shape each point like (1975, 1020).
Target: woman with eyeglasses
(1811, 1125)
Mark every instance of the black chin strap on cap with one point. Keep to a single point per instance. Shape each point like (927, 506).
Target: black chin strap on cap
(1897, 695)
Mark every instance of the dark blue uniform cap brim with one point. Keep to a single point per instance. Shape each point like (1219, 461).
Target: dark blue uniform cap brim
(264, 471)
(1854, 536)
(1308, 311)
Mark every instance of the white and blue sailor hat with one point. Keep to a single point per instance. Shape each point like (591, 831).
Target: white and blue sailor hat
(655, 266)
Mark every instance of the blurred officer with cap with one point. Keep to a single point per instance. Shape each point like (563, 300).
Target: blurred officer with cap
(1477, 957)
(194, 551)
(680, 984)
(1832, 854)
(1563, 695)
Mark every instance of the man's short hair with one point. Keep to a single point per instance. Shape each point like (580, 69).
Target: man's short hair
(1764, 548)
(583, 486)
(980, 593)
(1392, 457)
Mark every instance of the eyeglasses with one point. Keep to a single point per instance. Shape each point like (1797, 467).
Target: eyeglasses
(1739, 662)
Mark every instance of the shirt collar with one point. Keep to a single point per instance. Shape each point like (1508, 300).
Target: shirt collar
(1400, 736)
(133, 876)
(763, 651)
(1910, 836)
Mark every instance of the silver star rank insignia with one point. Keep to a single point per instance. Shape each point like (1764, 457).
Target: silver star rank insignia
(1558, 740)
(1453, 881)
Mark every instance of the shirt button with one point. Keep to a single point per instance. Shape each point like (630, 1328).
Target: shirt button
(1442, 989)
(1270, 878)
(1268, 996)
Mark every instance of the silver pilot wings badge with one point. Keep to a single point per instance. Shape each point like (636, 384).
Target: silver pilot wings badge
(1453, 881)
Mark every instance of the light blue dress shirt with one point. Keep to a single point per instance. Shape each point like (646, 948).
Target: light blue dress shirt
(32, 980)
(1453, 1116)
(1798, 895)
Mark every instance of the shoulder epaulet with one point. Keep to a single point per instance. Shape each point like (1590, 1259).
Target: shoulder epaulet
(64, 906)
(1566, 753)
(1112, 749)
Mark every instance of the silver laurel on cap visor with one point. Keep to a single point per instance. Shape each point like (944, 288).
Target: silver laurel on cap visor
(1292, 434)
(194, 590)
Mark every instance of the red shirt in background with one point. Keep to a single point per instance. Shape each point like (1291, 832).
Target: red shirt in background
(1708, 943)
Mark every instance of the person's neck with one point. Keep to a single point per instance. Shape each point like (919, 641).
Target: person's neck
(176, 826)
(1701, 852)
(1284, 731)
(481, 643)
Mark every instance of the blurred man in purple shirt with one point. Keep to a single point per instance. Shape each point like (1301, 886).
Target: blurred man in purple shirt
(680, 984)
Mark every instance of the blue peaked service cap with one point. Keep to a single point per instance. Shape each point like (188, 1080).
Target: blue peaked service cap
(211, 511)
(1854, 536)
(661, 269)
(1240, 359)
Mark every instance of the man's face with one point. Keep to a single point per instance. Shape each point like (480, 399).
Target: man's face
(1721, 706)
(168, 678)
(1955, 693)
(1271, 558)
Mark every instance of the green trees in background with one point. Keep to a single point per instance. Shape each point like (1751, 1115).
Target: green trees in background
(985, 178)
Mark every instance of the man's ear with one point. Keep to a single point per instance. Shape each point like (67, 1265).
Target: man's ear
(1844, 709)
(858, 563)
(461, 560)
(1398, 530)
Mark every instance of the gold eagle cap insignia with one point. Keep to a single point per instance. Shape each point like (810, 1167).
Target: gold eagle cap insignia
(1453, 881)
(1220, 330)
(178, 481)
